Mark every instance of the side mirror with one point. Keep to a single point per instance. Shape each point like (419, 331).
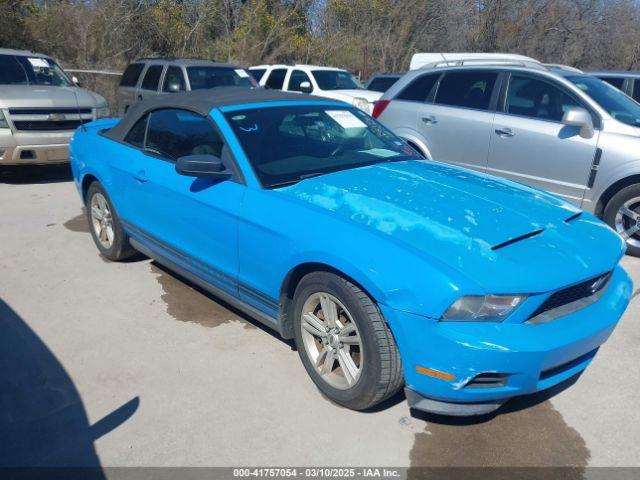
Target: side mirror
(174, 87)
(306, 87)
(579, 117)
(76, 82)
(203, 166)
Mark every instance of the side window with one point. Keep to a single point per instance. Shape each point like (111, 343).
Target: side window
(136, 135)
(297, 77)
(471, 89)
(538, 99)
(173, 80)
(419, 89)
(257, 73)
(131, 75)
(614, 81)
(175, 133)
(276, 78)
(152, 78)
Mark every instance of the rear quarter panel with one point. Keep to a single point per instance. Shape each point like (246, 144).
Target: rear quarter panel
(93, 155)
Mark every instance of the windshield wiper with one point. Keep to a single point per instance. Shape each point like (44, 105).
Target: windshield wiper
(296, 180)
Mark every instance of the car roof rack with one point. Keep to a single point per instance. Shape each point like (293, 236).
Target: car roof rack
(434, 60)
(560, 66)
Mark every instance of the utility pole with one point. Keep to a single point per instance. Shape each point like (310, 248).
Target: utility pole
(365, 62)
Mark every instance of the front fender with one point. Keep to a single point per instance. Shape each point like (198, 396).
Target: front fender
(414, 137)
(289, 234)
(610, 172)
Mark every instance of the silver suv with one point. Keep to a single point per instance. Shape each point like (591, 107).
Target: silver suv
(40, 108)
(554, 128)
(148, 77)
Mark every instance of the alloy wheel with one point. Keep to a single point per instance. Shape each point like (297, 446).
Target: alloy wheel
(331, 340)
(627, 221)
(102, 220)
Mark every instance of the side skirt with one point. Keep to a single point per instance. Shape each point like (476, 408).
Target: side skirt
(232, 300)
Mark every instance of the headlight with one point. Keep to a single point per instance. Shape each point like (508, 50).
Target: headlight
(3, 121)
(102, 112)
(482, 308)
(362, 104)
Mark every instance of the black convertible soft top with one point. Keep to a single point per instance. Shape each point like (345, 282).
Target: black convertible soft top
(202, 102)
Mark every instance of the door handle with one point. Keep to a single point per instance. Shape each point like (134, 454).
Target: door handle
(430, 120)
(139, 97)
(504, 132)
(140, 176)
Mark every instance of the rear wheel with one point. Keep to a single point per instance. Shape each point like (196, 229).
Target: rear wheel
(344, 343)
(104, 224)
(622, 213)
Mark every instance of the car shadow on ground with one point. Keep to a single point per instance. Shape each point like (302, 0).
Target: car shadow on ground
(43, 423)
(29, 174)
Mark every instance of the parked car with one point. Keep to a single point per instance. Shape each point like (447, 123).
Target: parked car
(40, 107)
(149, 77)
(327, 82)
(553, 128)
(386, 269)
(381, 82)
(627, 82)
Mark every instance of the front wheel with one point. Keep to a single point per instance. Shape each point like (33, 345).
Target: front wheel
(344, 343)
(104, 224)
(622, 213)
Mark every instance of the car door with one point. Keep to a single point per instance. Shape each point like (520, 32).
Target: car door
(193, 221)
(530, 144)
(457, 125)
(150, 82)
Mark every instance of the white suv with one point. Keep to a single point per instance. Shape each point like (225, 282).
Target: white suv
(328, 82)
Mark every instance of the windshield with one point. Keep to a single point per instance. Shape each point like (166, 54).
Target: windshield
(617, 104)
(21, 70)
(336, 80)
(211, 77)
(286, 145)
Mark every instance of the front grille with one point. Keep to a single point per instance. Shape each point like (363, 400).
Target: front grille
(47, 111)
(46, 126)
(580, 291)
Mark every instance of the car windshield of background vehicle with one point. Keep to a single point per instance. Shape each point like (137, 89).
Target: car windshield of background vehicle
(286, 145)
(617, 104)
(23, 70)
(211, 77)
(382, 84)
(336, 80)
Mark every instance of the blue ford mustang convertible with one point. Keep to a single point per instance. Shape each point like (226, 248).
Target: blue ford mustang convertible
(388, 270)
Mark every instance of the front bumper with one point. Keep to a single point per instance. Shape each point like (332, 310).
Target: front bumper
(34, 148)
(530, 357)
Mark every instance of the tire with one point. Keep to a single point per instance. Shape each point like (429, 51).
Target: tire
(627, 200)
(118, 248)
(376, 357)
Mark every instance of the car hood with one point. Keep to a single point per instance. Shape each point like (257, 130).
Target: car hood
(348, 95)
(36, 96)
(480, 225)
